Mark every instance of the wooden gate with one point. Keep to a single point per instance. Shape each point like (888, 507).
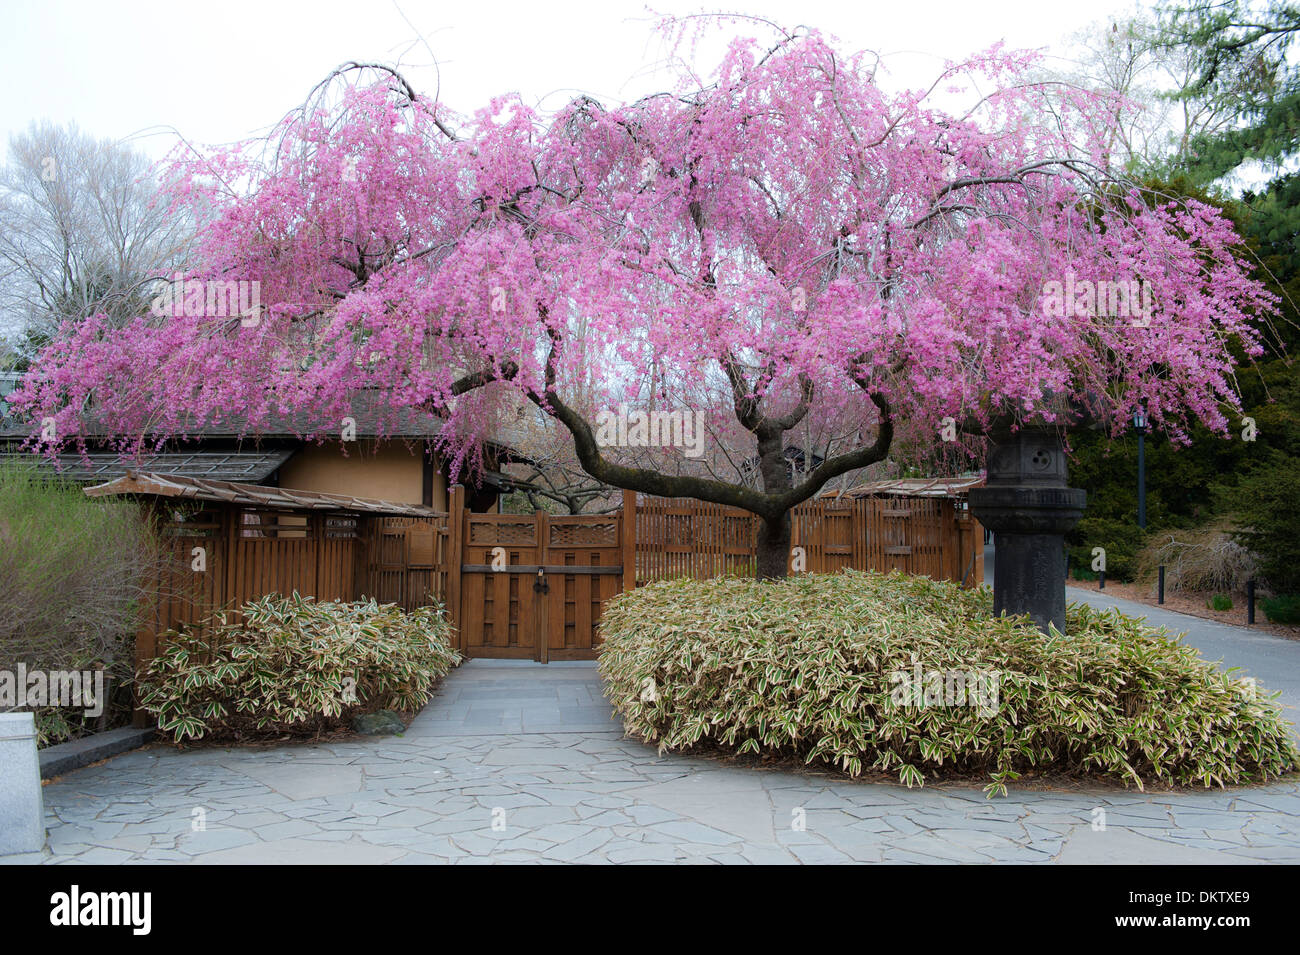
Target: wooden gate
(531, 586)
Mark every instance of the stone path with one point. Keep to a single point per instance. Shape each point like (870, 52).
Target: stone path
(485, 774)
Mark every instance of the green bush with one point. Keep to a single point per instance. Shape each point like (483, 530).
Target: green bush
(1122, 540)
(293, 665)
(1284, 609)
(1265, 511)
(1220, 602)
(70, 574)
(810, 667)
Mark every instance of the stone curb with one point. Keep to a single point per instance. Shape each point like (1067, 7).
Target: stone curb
(65, 757)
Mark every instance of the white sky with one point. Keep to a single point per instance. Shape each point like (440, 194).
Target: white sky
(224, 71)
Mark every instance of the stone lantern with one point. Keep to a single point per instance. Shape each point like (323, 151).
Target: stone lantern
(1029, 508)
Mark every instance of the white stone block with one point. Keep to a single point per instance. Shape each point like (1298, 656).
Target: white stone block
(22, 812)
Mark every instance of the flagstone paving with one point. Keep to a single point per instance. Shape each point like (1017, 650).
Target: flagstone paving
(522, 763)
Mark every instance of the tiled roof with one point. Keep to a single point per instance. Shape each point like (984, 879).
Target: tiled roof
(248, 466)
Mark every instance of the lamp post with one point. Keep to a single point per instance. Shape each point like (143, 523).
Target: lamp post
(1140, 426)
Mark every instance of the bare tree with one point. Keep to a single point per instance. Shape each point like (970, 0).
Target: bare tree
(81, 231)
(1156, 124)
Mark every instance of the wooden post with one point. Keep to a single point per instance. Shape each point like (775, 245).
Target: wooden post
(148, 610)
(969, 548)
(316, 543)
(231, 528)
(628, 530)
(455, 556)
(958, 550)
(360, 559)
(542, 601)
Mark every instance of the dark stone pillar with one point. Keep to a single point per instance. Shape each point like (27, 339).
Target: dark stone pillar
(1026, 503)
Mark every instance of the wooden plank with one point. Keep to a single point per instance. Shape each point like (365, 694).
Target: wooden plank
(580, 586)
(455, 545)
(543, 601)
(420, 539)
(627, 538)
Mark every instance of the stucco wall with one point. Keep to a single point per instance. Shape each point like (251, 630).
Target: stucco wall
(389, 472)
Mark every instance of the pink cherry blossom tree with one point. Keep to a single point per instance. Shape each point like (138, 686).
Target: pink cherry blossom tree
(786, 249)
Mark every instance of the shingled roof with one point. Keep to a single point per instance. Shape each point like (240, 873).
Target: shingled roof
(150, 484)
(373, 420)
(955, 487)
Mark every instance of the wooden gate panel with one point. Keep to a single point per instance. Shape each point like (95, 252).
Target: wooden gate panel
(574, 600)
(498, 609)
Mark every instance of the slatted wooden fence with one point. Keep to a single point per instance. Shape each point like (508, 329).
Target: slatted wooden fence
(917, 535)
(218, 557)
(485, 567)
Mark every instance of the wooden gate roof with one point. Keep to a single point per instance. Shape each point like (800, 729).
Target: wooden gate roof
(951, 487)
(153, 484)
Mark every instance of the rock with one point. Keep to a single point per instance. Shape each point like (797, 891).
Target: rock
(378, 723)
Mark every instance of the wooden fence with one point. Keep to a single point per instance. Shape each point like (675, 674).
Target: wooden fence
(932, 536)
(219, 557)
(223, 555)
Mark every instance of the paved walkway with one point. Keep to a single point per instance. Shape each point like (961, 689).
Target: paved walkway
(485, 774)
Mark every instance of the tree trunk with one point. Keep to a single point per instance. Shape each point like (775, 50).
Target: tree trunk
(778, 496)
(774, 531)
(774, 548)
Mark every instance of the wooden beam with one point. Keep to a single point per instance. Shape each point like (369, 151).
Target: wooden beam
(558, 570)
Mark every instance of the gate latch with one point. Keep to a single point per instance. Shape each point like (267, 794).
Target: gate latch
(541, 584)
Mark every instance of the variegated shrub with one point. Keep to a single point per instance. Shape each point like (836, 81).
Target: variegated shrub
(810, 667)
(292, 664)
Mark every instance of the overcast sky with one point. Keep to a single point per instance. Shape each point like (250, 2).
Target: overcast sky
(222, 72)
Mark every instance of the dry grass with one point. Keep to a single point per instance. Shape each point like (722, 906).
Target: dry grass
(1198, 560)
(70, 581)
